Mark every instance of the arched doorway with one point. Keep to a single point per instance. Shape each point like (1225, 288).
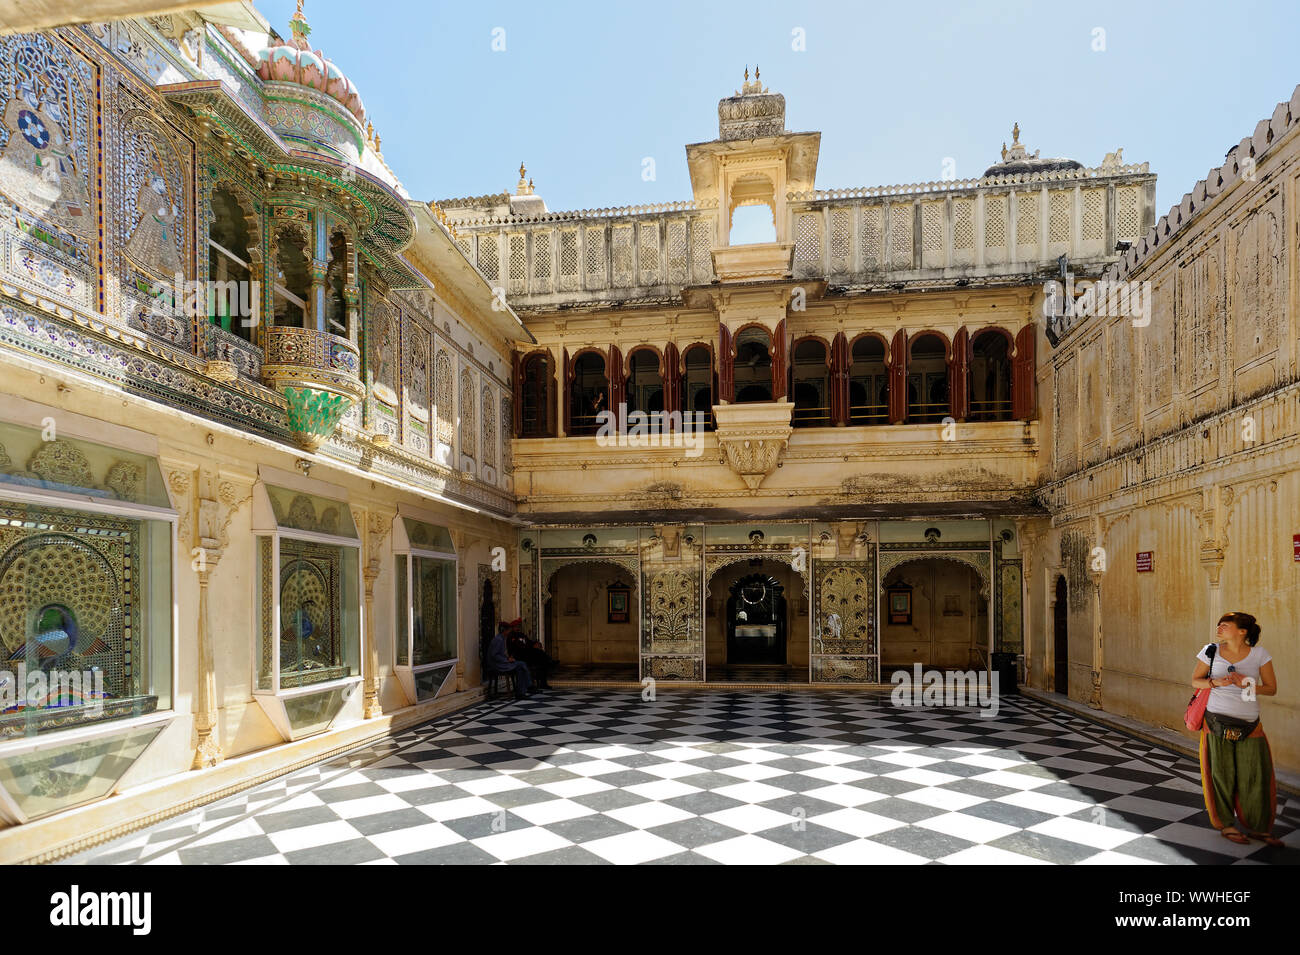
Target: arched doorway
(1061, 639)
(935, 612)
(588, 393)
(812, 385)
(592, 617)
(753, 365)
(756, 621)
(487, 622)
(927, 380)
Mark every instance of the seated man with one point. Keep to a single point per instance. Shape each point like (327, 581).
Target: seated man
(530, 650)
(499, 660)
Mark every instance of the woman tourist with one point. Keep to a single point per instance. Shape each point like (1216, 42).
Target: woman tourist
(1236, 764)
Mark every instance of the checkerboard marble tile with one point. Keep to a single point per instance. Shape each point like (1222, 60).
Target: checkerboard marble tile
(591, 776)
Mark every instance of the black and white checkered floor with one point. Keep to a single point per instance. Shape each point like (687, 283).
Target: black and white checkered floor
(703, 776)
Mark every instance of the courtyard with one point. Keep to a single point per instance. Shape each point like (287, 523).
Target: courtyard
(601, 775)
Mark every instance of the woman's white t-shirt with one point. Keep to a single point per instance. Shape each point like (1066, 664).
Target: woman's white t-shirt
(1227, 699)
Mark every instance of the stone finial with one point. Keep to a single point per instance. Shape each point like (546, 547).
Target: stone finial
(1017, 150)
(523, 187)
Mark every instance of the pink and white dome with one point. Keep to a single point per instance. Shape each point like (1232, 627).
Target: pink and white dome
(296, 62)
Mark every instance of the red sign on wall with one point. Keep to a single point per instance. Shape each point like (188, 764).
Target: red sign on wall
(1295, 547)
(1146, 561)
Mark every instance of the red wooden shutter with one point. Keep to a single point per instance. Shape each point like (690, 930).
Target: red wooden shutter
(780, 363)
(617, 383)
(517, 387)
(672, 379)
(566, 386)
(726, 367)
(1024, 384)
(898, 378)
(958, 376)
(839, 396)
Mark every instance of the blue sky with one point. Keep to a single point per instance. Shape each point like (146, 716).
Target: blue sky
(584, 92)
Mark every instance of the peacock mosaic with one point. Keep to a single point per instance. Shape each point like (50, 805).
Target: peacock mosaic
(49, 166)
(70, 601)
(308, 633)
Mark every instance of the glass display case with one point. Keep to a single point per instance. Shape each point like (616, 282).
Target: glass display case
(86, 568)
(425, 641)
(309, 600)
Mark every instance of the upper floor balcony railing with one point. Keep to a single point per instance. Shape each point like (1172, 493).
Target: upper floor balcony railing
(960, 229)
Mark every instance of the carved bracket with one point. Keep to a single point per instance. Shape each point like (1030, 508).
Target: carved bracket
(752, 437)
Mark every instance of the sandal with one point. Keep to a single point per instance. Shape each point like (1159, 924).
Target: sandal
(1268, 840)
(1232, 835)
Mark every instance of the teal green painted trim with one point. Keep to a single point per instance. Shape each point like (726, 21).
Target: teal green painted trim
(253, 150)
(348, 127)
(345, 186)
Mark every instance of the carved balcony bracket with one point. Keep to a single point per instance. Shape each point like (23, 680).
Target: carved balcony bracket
(752, 438)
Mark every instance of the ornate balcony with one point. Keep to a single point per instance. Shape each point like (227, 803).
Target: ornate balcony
(319, 375)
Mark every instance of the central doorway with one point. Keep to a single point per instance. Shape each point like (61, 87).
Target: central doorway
(756, 621)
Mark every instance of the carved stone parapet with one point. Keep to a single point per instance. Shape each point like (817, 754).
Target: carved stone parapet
(753, 436)
(754, 262)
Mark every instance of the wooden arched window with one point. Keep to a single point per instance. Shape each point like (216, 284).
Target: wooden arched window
(229, 260)
(645, 386)
(533, 397)
(811, 377)
(697, 384)
(927, 380)
(990, 376)
(868, 382)
(588, 393)
(336, 277)
(753, 365)
(292, 279)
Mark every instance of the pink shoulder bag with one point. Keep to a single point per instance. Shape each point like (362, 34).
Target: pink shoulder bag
(1195, 714)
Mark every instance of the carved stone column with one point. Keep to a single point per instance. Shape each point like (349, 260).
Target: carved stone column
(1095, 575)
(203, 533)
(1029, 534)
(372, 707)
(377, 525)
(462, 541)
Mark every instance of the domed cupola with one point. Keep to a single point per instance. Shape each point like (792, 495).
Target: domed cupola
(1017, 161)
(296, 62)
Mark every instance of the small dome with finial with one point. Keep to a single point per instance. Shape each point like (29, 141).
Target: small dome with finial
(752, 113)
(296, 62)
(1017, 160)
